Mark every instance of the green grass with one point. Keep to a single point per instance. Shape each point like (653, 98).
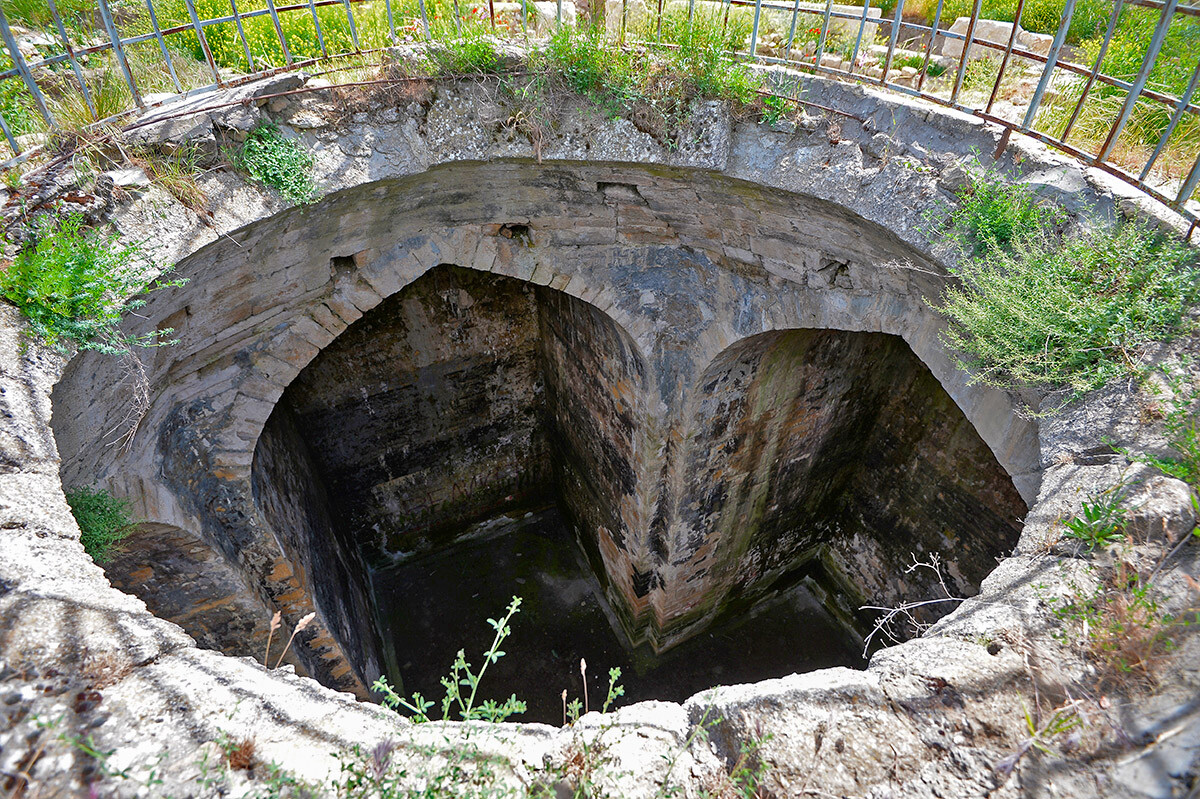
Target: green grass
(273, 160)
(1033, 308)
(1039, 16)
(74, 285)
(104, 521)
(1170, 74)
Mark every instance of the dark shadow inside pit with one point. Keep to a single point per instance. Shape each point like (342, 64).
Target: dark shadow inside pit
(476, 437)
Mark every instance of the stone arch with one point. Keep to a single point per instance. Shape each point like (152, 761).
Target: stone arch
(784, 432)
(685, 261)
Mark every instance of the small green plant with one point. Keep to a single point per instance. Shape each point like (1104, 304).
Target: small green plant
(1101, 520)
(935, 70)
(104, 521)
(461, 676)
(274, 160)
(995, 213)
(75, 284)
(775, 109)
(1042, 738)
(471, 52)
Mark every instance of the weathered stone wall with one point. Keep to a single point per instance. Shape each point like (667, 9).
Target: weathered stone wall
(424, 416)
(294, 500)
(597, 417)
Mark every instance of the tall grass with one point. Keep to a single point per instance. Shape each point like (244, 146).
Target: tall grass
(1170, 74)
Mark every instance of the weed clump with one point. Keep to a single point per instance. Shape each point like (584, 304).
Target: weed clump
(1074, 311)
(74, 285)
(104, 521)
(273, 160)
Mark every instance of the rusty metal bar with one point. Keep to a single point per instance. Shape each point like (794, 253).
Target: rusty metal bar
(1156, 42)
(287, 55)
(208, 56)
(966, 53)
(1051, 59)
(118, 51)
(317, 27)
(83, 87)
(1108, 34)
(1012, 38)
(241, 33)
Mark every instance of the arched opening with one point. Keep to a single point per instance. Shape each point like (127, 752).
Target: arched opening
(477, 436)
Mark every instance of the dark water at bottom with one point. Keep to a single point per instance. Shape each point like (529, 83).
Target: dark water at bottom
(430, 607)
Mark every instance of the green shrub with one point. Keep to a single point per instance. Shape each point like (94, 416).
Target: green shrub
(704, 59)
(470, 52)
(276, 161)
(1100, 521)
(1073, 312)
(994, 213)
(590, 65)
(104, 521)
(74, 285)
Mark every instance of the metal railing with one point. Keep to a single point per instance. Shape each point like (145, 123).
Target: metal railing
(839, 44)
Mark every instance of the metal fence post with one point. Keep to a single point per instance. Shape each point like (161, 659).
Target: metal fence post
(317, 27)
(966, 53)
(753, 31)
(62, 34)
(1087, 87)
(933, 29)
(208, 56)
(862, 26)
(1180, 110)
(824, 34)
(162, 45)
(287, 55)
(787, 54)
(1012, 38)
(887, 61)
(237, 18)
(353, 27)
(1139, 83)
(1051, 61)
(118, 51)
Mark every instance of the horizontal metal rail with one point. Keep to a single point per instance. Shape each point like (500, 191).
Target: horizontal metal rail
(850, 23)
